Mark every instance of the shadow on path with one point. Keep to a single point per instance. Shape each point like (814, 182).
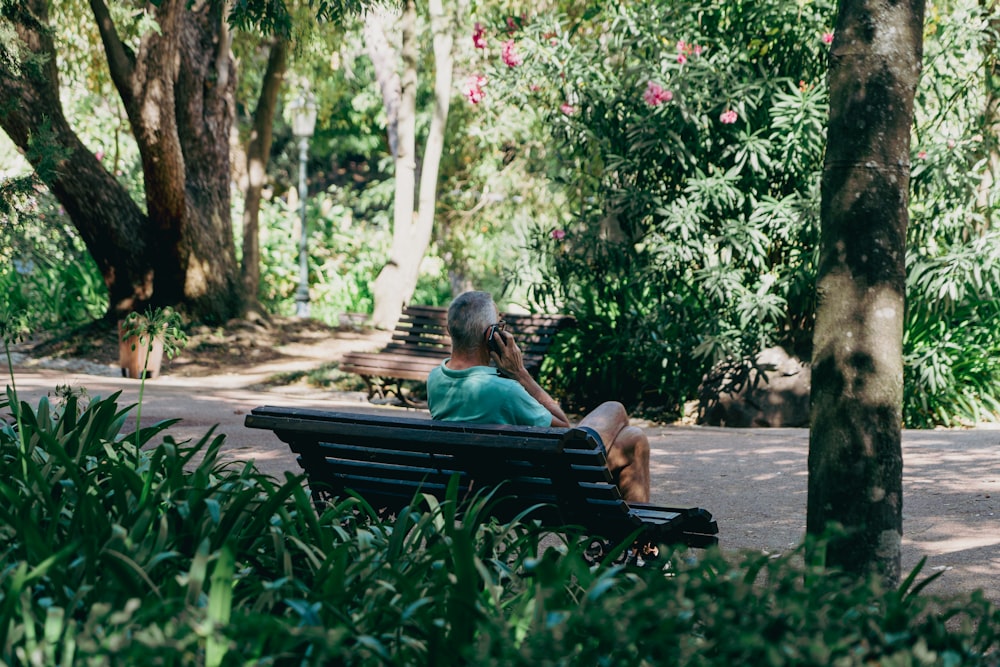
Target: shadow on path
(753, 481)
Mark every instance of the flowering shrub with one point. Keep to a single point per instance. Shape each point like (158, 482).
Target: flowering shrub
(689, 141)
(951, 345)
(728, 117)
(656, 95)
(690, 156)
(509, 54)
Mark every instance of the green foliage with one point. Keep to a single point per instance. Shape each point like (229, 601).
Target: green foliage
(157, 326)
(45, 271)
(275, 16)
(164, 324)
(952, 337)
(760, 610)
(164, 553)
(952, 341)
(690, 137)
(345, 252)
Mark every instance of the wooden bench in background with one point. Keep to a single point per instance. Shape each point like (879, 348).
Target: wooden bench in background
(388, 459)
(421, 341)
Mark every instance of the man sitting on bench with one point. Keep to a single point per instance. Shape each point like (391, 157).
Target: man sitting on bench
(466, 388)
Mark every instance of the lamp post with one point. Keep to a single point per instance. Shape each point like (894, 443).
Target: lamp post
(303, 111)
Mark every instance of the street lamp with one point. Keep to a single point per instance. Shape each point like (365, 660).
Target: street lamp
(303, 111)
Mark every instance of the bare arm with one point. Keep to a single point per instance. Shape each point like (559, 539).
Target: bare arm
(511, 363)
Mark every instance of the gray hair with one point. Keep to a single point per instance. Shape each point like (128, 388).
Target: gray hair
(468, 317)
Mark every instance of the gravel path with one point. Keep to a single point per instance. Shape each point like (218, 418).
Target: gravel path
(752, 480)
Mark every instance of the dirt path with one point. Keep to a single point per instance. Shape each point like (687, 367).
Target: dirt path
(752, 480)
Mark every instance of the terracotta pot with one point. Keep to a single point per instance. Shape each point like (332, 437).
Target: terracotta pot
(132, 355)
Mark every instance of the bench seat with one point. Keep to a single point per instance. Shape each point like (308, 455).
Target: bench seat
(559, 472)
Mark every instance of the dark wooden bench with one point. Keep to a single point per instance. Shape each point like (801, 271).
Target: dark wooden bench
(421, 341)
(387, 459)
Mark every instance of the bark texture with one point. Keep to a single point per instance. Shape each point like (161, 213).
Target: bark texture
(177, 90)
(412, 232)
(390, 288)
(383, 57)
(108, 221)
(855, 453)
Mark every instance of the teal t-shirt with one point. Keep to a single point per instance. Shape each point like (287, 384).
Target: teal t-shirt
(479, 394)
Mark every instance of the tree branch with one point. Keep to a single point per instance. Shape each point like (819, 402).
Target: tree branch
(121, 60)
(383, 57)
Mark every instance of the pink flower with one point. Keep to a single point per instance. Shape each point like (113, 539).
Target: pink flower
(681, 45)
(479, 36)
(728, 117)
(922, 155)
(827, 38)
(511, 25)
(697, 49)
(567, 108)
(474, 89)
(558, 234)
(655, 94)
(951, 143)
(681, 58)
(99, 155)
(509, 56)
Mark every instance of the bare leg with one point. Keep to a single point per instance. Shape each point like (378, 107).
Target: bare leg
(628, 449)
(628, 461)
(608, 419)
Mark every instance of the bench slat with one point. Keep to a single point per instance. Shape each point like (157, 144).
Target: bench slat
(560, 473)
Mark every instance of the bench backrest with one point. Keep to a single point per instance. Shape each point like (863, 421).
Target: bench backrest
(387, 460)
(423, 331)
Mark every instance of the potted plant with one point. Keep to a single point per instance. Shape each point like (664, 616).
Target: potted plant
(143, 339)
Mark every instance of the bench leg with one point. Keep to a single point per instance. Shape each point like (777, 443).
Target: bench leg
(382, 389)
(406, 396)
(376, 388)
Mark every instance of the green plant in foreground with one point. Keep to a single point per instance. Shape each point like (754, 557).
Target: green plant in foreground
(133, 548)
(13, 328)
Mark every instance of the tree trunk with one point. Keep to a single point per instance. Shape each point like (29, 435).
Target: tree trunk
(109, 222)
(383, 57)
(427, 203)
(390, 290)
(258, 154)
(183, 137)
(991, 108)
(396, 283)
(177, 89)
(855, 453)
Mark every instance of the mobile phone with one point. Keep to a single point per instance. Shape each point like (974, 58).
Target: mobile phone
(494, 330)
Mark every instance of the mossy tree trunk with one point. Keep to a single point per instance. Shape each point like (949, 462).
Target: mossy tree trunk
(176, 84)
(855, 450)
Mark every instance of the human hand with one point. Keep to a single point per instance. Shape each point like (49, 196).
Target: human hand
(509, 360)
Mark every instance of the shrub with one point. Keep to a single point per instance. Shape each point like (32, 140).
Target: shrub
(689, 139)
(166, 554)
(45, 270)
(952, 338)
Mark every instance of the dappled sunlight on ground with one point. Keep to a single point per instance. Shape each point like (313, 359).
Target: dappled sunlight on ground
(754, 481)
